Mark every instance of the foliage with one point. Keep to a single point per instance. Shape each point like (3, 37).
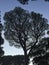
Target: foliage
(43, 59)
(24, 29)
(26, 1)
(23, 1)
(16, 26)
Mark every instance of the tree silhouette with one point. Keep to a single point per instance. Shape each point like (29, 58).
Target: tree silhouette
(1, 41)
(24, 29)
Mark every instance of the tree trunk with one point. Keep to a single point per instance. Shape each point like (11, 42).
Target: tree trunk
(26, 58)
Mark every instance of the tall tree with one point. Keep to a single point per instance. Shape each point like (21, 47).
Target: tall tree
(25, 30)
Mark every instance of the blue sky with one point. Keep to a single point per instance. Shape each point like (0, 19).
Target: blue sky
(38, 6)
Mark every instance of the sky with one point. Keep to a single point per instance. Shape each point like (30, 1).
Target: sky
(39, 6)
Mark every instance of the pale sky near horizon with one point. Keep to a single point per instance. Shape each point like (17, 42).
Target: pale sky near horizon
(38, 6)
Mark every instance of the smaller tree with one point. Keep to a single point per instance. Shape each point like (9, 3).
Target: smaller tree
(1, 41)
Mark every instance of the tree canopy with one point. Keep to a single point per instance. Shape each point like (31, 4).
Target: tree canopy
(16, 26)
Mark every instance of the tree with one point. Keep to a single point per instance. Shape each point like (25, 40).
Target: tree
(1, 41)
(24, 29)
